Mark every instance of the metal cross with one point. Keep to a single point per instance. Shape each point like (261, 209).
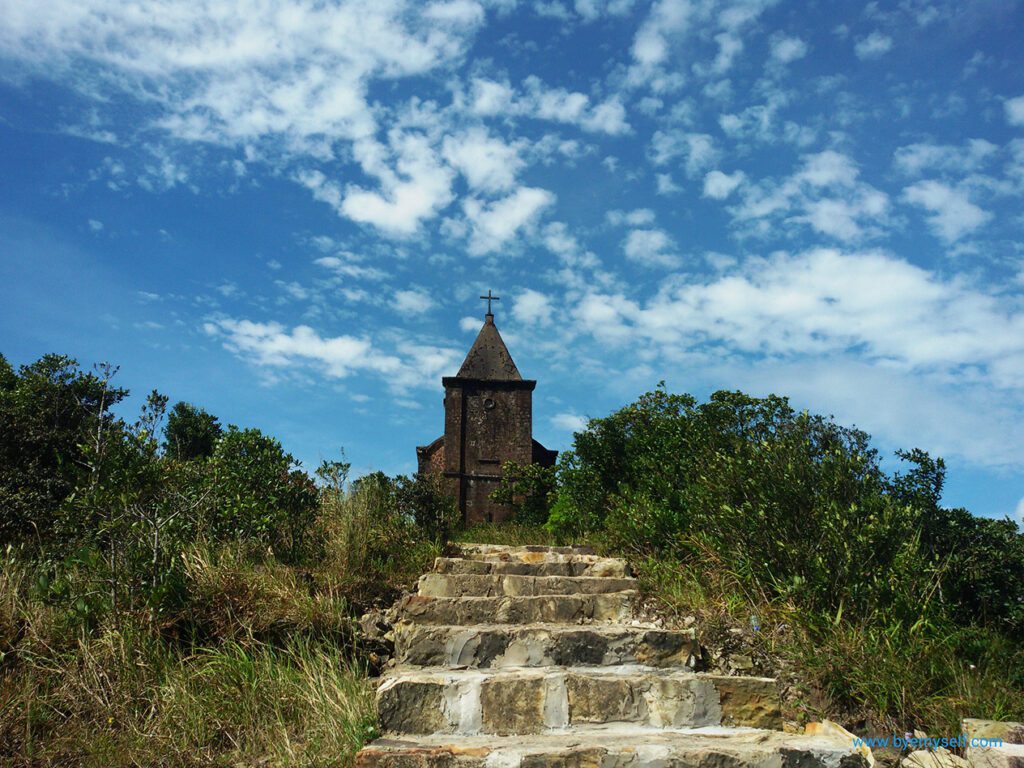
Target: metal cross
(490, 298)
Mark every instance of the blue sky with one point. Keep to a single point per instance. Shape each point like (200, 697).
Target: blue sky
(284, 211)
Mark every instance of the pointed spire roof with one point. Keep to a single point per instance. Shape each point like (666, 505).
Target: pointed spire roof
(488, 358)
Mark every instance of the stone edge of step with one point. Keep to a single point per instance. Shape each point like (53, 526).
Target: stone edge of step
(625, 740)
(414, 673)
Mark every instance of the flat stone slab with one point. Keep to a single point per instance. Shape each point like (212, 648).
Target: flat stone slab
(1009, 755)
(415, 700)
(467, 548)
(615, 747)
(489, 645)
(567, 566)
(492, 585)
(567, 609)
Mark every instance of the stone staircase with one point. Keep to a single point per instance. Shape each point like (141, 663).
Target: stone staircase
(527, 657)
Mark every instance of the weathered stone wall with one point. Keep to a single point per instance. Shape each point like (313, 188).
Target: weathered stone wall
(486, 425)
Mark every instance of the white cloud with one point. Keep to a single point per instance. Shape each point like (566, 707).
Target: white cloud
(490, 98)
(532, 308)
(272, 345)
(1014, 110)
(914, 159)
(650, 247)
(664, 185)
(667, 18)
(824, 192)
(293, 289)
(873, 46)
(346, 265)
(636, 218)
(233, 73)
(786, 49)
(718, 185)
(95, 225)
(1018, 514)
(952, 214)
(494, 224)
(591, 10)
(455, 12)
(488, 163)
(697, 149)
(413, 302)
(824, 302)
(280, 351)
(569, 421)
(418, 188)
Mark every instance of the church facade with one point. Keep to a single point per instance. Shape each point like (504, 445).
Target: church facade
(488, 420)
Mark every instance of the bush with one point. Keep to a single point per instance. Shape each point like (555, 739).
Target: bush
(798, 505)
(529, 490)
(191, 433)
(51, 413)
(373, 545)
(257, 493)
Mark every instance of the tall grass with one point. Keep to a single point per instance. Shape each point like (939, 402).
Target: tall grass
(127, 699)
(876, 675)
(505, 533)
(253, 662)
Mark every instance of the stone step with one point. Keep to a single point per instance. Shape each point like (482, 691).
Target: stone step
(590, 566)
(505, 702)
(537, 645)
(492, 585)
(616, 747)
(507, 554)
(569, 609)
(522, 549)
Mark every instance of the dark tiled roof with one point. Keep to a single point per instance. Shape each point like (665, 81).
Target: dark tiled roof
(488, 358)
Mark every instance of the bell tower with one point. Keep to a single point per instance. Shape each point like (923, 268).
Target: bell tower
(488, 420)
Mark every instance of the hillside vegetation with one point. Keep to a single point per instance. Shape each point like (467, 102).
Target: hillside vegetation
(178, 592)
(897, 612)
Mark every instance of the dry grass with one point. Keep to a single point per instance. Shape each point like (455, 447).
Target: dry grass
(873, 676)
(125, 696)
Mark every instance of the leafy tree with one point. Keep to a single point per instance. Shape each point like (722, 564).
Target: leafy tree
(423, 499)
(258, 492)
(51, 413)
(191, 432)
(529, 489)
(796, 504)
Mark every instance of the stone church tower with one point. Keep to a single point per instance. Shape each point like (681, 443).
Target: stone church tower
(488, 420)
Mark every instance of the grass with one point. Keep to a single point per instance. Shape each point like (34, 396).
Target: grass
(504, 533)
(122, 699)
(258, 663)
(872, 676)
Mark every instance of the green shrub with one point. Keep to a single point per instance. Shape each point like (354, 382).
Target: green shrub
(796, 504)
(51, 413)
(529, 490)
(191, 433)
(257, 493)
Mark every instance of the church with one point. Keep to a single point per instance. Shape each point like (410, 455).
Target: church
(488, 420)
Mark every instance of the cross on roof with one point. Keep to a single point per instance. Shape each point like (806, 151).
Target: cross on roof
(490, 298)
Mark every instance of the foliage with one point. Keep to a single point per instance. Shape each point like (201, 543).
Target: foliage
(258, 494)
(798, 505)
(51, 414)
(191, 433)
(528, 489)
(372, 540)
(874, 675)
